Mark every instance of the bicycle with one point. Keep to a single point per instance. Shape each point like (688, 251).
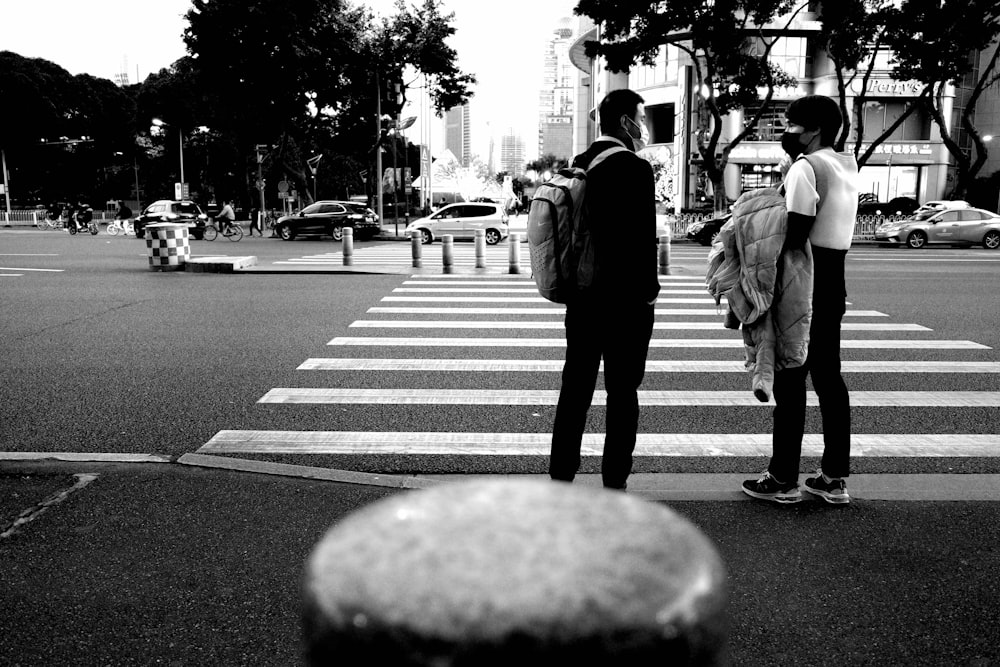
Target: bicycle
(230, 230)
(124, 227)
(49, 223)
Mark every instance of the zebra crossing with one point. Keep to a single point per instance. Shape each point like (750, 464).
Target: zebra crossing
(400, 357)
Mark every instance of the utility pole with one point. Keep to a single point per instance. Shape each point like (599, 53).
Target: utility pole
(6, 185)
(260, 182)
(378, 145)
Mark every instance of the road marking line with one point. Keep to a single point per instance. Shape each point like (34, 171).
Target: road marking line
(652, 365)
(538, 444)
(555, 324)
(561, 310)
(10, 275)
(506, 397)
(873, 344)
(29, 254)
(923, 259)
(18, 268)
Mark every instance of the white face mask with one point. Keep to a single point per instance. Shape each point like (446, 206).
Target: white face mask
(640, 142)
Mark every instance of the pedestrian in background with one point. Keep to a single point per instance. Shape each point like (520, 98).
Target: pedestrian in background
(821, 195)
(613, 318)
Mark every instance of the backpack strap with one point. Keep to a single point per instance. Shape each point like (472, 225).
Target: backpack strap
(605, 154)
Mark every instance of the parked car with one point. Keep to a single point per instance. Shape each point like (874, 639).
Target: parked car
(956, 226)
(170, 210)
(942, 204)
(462, 221)
(704, 232)
(896, 206)
(329, 218)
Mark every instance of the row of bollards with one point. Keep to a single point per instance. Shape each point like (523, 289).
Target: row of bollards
(514, 255)
(448, 251)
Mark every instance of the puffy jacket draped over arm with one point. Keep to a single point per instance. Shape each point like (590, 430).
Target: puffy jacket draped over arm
(768, 287)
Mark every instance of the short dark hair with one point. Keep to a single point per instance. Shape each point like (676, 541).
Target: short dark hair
(817, 112)
(617, 103)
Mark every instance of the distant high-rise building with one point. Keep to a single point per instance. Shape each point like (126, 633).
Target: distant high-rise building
(512, 153)
(556, 101)
(458, 134)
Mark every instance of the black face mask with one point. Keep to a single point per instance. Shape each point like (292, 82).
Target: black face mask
(791, 144)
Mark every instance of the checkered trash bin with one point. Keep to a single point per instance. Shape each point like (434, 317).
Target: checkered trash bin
(168, 246)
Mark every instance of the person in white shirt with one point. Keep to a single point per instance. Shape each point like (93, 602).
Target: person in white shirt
(821, 194)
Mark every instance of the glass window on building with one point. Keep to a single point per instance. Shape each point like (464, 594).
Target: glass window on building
(887, 183)
(789, 53)
(771, 124)
(756, 176)
(881, 114)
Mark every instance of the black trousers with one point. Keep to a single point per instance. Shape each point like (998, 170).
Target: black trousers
(823, 366)
(619, 333)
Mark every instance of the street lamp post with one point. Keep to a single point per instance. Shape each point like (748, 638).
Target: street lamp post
(180, 146)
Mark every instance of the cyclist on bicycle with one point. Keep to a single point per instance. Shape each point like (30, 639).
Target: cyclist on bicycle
(227, 216)
(124, 212)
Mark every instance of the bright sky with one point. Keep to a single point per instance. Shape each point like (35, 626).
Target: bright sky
(501, 43)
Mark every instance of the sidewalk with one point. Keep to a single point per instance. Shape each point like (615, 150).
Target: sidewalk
(186, 565)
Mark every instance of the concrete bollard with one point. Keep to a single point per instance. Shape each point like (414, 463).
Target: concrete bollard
(514, 253)
(416, 240)
(514, 572)
(348, 246)
(665, 255)
(448, 253)
(480, 248)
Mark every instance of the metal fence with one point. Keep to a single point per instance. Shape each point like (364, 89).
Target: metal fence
(864, 227)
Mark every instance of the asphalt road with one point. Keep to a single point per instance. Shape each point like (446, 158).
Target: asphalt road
(163, 563)
(108, 356)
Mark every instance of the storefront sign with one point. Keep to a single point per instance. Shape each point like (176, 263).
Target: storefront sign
(887, 88)
(761, 152)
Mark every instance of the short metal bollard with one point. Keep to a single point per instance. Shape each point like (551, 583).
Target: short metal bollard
(480, 248)
(448, 253)
(168, 246)
(348, 246)
(416, 239)
(665, 255)
(514, 252)
(514, 572)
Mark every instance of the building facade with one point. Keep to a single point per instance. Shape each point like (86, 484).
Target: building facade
(557, 98)
(458, 134)
(913, 162)
(512, 155)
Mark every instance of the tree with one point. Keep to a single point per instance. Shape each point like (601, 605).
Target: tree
(728, 47)
(547, 162)
(933, 43)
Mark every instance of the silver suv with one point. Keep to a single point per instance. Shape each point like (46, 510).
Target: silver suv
(169, 210)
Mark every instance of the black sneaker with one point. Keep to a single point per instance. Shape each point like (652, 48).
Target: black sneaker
(834, 491)
(768, 488)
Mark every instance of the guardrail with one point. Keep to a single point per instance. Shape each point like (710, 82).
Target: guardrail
(675, 225)
(30, 217)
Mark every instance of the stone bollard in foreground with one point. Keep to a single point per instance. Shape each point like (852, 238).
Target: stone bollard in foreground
(514, 254)
(514, 572)
(480, 248)
(665, 255)
(348, 246)
(415, 245)
(448, 253)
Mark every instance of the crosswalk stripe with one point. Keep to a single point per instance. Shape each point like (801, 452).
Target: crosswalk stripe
(874, 344)
(652, 366)
(505, 397)
(511, 299)
(537, 444)
(492, 290)
(555, 324)
(561, 310)
(518, 283)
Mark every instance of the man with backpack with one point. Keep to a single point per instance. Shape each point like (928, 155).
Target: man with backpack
(610, 317)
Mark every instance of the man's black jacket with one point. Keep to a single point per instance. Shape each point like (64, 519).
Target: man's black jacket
(621, 212)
